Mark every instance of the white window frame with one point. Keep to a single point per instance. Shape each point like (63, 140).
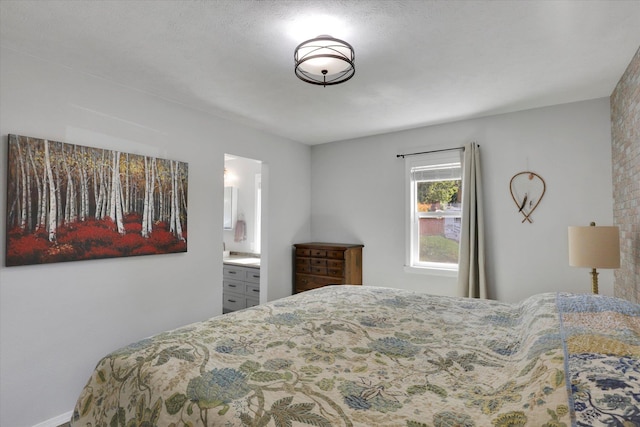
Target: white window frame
(412, 263)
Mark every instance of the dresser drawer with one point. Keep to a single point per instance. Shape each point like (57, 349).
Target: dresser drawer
(303, 252)
(318, 262)
(303, 265)
(304, 282)
(320, 253)
(335, 254)
(335, 267)
(335, 272)
(335, 263)
(319, 270)
(303, 261)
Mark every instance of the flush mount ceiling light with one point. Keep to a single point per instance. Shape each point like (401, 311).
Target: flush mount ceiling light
(324, 61)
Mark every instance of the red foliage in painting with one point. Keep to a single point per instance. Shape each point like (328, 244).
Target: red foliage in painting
(90, 239)
(106, 222)
(146, 250)
(60, 252)
(91, 233)
(133, 227)
(161, 238)
(26, 249)
(178, 246)
(161, 225)
(102, 252)
(133, 218)
(129, 242)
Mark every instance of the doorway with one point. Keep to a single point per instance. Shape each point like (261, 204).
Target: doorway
(244, 258)
(242, 219)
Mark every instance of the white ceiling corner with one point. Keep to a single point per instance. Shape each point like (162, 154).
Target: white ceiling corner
(417, 62)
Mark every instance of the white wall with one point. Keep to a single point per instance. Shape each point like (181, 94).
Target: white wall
(358, 196)
(57, 320)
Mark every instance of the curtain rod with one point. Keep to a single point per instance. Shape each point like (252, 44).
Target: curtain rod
(428, 152)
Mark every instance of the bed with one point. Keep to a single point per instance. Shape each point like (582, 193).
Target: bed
(369, 356)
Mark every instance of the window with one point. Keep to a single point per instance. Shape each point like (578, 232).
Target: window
(434, 210)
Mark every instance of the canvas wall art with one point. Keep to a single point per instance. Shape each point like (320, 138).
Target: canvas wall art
(69, 202)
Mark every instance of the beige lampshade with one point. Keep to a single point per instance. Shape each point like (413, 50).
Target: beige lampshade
(594, 247)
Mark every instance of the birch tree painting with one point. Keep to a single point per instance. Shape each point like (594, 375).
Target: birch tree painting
(69, 202)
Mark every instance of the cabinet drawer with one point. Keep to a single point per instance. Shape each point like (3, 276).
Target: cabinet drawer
(321, 253)
(234, 286)
(335, 254)
(253, 291)
(232, 302)
(253, 275)
(304, 282)
(251, 302)
(233, 272)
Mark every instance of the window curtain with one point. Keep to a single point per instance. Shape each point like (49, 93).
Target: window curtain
(472, 280)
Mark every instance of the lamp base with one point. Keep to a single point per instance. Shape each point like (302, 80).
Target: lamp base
(594, 281)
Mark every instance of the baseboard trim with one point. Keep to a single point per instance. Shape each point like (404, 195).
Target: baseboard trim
(56, 421)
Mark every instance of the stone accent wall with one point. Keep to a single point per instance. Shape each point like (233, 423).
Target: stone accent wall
(625, 145)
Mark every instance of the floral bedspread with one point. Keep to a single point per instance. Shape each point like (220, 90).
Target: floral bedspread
(367, 356)
(602, 339)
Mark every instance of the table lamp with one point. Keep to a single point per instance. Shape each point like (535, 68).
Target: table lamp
(594, 247)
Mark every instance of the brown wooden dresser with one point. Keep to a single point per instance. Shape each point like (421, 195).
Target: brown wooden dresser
(321, 264)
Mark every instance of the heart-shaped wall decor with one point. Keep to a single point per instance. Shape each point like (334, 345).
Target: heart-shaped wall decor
(527, 189)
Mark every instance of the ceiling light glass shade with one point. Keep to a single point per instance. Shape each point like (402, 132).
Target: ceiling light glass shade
(324, 61)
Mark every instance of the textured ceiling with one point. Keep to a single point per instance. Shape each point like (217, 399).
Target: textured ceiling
(417, 62)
